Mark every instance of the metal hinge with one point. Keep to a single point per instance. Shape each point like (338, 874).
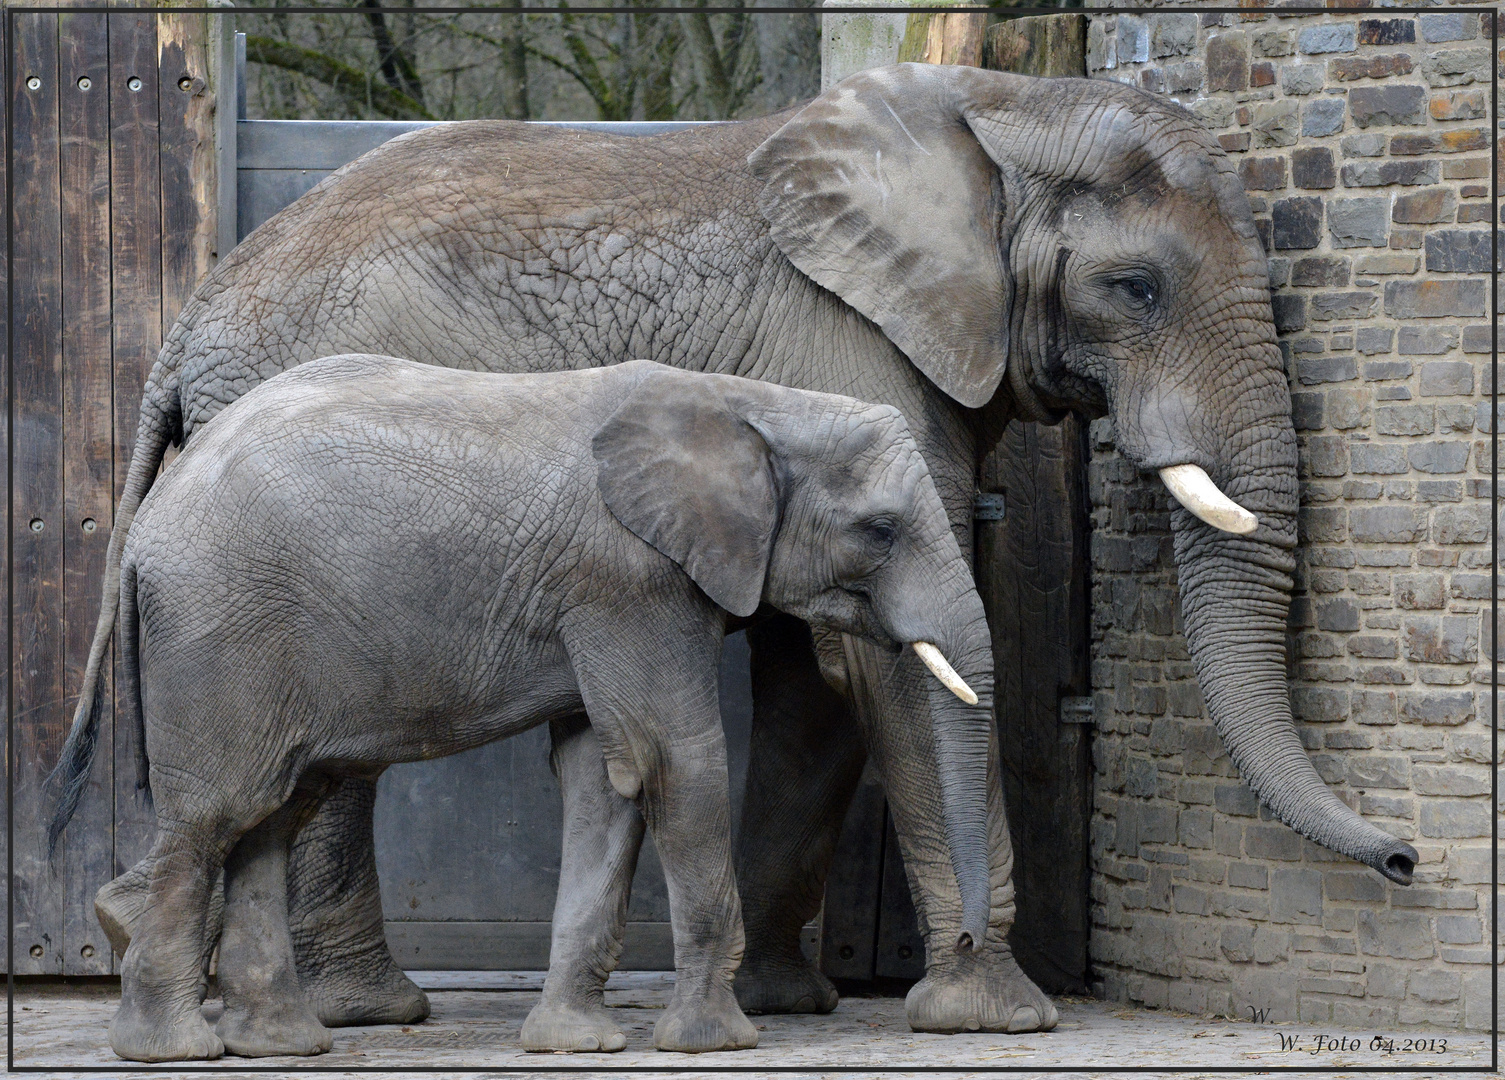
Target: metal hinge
(987, 506)
(1076, 710)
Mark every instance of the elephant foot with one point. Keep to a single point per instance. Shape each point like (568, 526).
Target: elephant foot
(791, 986)
(135, 1038)
(990, 995)
(282, 1029)
(579, 1029)
(697, 1024)
(353, 995)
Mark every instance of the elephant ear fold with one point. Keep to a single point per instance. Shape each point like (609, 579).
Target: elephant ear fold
(683, 471)
(879, 191)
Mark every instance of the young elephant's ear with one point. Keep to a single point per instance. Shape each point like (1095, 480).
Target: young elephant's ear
(879, 191)
(684, 472)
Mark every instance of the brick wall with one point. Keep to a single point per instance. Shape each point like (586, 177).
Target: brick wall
(1363, 140)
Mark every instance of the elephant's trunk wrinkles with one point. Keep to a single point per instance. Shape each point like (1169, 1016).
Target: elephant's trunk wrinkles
(1235, 593)
(961, 725)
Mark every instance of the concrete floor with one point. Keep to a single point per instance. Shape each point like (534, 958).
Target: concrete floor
(477, 1017)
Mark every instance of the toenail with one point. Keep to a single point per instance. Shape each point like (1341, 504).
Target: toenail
(972, 1024)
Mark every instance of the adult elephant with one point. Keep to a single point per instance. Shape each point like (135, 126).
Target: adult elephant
(969, 246)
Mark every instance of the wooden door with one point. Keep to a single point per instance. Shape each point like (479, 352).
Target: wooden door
(1032, 568)
(107, 115)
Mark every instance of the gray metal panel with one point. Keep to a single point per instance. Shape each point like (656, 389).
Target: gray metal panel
(512, 946)
(260, 193)
(328, 144)
(473, 841)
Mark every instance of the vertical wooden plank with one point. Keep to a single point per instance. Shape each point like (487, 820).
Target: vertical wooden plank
(40, 719)
(136, 267)
(190, 188)
(87, 857)
(899, 951)
(5, 108)
(850, 920)
(1032, 573)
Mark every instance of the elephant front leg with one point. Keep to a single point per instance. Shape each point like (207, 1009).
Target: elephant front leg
(655, 709)
(977, 991)
(335, 917)
(603, 833)
(805, 760)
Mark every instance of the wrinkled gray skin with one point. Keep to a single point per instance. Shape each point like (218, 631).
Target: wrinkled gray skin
(368, 560)
(968, 246)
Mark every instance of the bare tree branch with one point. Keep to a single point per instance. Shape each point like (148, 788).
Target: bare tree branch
(355, 86)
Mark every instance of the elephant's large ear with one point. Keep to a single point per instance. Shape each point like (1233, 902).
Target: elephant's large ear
(879, 191)
(686, 473)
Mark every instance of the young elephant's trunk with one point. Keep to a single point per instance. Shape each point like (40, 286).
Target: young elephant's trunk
(961, 708)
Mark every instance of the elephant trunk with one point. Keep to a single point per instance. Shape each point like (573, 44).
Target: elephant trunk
(961, 708)
(1235, 595)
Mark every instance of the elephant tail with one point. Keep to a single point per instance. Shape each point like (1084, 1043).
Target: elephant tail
(161, 420)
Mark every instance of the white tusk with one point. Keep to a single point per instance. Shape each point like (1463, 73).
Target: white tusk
(1195, 490)
(944, 671)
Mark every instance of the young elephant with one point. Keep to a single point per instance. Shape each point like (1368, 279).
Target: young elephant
(367, 560)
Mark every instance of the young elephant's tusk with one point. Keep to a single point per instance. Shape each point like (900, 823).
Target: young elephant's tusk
(944, 671)
(1195, 490)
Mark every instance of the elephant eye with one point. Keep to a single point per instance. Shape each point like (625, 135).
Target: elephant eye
(1140, 292)
(881, 532)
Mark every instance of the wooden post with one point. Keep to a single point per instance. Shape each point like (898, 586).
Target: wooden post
(945, 38)
(113, 227)
(1034, 574)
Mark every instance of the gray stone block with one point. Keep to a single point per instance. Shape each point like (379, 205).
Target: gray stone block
(1358, 222)
(1302, 79)
(1439, 457)
(1296, 896)
(1440, 707)
(1133, 40)
(1272, 842)
(1459, 930)
(1387, 524)
(1326, 307)
(1451, 639)
(1400, 935)
(1456, 67)
(1276, 123)
(1378, 459)
(1244, 875)
(1324, 116)
(1332, 38)
(1312, 167)
(1454, 819)
(1391, 771)
(1387, 31)
(1458, 251)
(1363, 885)
(1326, 369)
(1387, 106)
(1434, 299)
(1458, 780)
(1437, 987)
(1374, 340)
(1172, 35)
(1461, 525)
(1408, 173)
(1450, 26)
(1430, 341)
(1366, 145)
(1405, 419)
(1443, 378)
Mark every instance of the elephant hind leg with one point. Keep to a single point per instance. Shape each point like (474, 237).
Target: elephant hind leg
(266, 1013)
(162, 976)
(335, 916)
(806, 758)
(603, 833)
